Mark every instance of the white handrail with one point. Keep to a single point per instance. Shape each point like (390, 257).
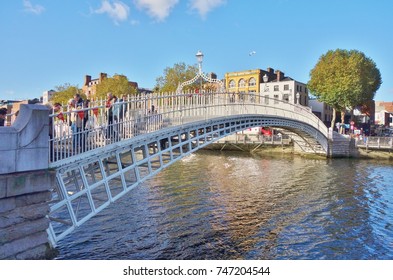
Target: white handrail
(77, 131)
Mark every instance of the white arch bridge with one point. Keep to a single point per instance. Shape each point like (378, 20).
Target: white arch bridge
(100, 163)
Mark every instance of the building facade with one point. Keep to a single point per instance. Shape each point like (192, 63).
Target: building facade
(280, 87)
(247, 81)
(47, 95)
(89, 87)
(323, 111)
(384, 113)
(273, 85)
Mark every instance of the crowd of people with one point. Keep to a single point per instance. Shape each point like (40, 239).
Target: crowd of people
(81, 119)
(82, 125)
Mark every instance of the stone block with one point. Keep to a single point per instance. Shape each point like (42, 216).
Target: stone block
(38, 253)
(32, 159)
(14, 248)
(7, 204)
(8, 136)
(8, 161)
(29, 182)
(33, 199)
(23, 230)
(25, 145)
(23, 214)
(3, 186)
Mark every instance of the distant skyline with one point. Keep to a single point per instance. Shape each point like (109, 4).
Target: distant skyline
(48, 43)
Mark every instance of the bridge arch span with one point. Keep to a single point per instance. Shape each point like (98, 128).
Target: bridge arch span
(86, 186)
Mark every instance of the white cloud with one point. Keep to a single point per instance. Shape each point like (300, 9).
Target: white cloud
(205, 6)
(158, 9)
(30, 8)
(116, 10)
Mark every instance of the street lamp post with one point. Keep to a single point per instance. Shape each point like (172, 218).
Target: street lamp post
(199, 56)
(297, 97)
(265, 79)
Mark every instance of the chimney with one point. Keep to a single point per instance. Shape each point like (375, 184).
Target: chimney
(213, 75)
(87, 80)
(280, 75)
(102, 76)
(270, 70)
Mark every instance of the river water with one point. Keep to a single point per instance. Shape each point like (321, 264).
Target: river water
(229, 205)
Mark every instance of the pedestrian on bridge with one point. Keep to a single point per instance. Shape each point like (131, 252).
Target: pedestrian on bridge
(76, 122)
(110, 102)
(3, 113)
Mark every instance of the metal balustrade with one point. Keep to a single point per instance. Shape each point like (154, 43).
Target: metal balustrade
(136, 117)
(375, 142)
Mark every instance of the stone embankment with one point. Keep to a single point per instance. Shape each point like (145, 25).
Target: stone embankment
(25, 186)
(24, 207)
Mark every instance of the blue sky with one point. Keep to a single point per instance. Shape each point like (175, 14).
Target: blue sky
(46, 43)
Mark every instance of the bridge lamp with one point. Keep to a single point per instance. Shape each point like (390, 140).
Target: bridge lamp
(265, 78)
(199, 56)
(297, 97)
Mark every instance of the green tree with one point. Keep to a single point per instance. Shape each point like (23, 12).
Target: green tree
(118, 85)
(173, 76)
(64, 93)
(344, 80)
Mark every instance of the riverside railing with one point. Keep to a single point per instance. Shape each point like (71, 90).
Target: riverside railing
(375, 142)
(75, 131)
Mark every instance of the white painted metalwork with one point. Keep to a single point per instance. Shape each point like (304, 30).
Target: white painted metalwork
(201, 75)
(105, 160)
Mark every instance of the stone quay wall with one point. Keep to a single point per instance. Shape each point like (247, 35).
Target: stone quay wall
(25, 184)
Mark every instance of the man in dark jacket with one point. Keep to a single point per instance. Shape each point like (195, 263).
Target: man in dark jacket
(3, 113)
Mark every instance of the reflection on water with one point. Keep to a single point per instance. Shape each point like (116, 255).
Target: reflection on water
(214, 205)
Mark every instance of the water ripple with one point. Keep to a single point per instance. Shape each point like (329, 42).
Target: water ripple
(237, 206)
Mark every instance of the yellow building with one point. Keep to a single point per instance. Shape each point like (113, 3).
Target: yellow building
(250, 80)
(244, 81)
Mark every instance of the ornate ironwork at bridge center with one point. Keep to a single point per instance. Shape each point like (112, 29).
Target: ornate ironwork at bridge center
(103, 161)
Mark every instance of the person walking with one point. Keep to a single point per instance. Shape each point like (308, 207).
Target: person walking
(3, 114)
(110, 101)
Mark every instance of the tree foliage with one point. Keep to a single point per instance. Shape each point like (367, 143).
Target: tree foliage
(173, 76)
(344, 79)
(64, 93)
(118, 85)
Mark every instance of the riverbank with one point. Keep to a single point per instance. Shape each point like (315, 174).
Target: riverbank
(250, 145)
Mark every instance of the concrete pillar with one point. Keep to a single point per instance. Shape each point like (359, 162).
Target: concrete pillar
(25, 185)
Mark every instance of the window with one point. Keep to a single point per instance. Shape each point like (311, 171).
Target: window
(276, 88)
(285, 97)
(232, 84)
(242, 83)
(252, 82)
(276, 99)
(286, 87)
